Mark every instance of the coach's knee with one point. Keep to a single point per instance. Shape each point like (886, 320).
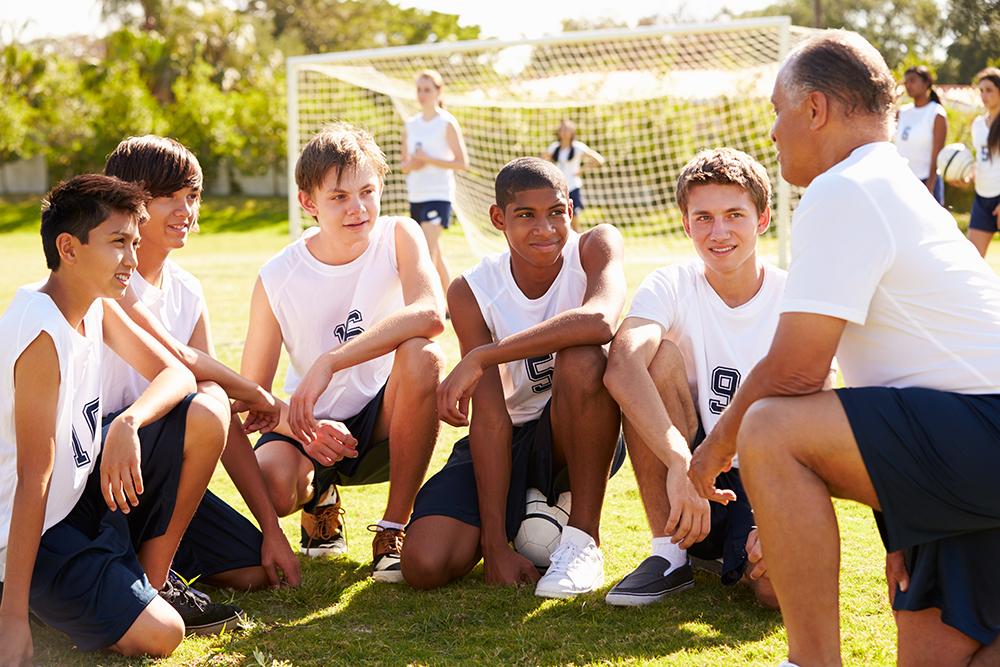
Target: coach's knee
(580, 370)
(420, 361)
(761, 435)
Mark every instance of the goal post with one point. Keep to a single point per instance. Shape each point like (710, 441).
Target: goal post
(647, 99)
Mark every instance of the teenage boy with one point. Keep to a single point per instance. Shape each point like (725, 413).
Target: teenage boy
(531, 323)
(70, 492)
(220, 546)
(355, 302)
(694, 330)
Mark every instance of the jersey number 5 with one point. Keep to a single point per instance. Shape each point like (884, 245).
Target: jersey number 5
(725, 382)
(540, 372)
(80, 455)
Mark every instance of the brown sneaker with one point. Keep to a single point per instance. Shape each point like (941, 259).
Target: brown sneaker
(322, 530)
(387, 547)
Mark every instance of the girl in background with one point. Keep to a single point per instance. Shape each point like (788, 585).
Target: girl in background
(568, 154)
(921, 129)
(986, 145)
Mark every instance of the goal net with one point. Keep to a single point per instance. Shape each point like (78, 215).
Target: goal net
(646, 99)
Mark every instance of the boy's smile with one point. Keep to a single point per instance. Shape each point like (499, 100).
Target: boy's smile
(536, 224)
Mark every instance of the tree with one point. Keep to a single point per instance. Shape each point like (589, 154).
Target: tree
(975, 25)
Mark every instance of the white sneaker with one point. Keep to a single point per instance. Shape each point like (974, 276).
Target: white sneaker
(577, 567)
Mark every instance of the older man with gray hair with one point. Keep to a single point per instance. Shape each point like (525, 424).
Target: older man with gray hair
(880, 276)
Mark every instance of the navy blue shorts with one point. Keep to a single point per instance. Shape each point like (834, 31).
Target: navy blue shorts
(982, 217)
(939, 190)
(217, 540)
(371, 466)
(932, 457)
(434, 212)
(87, 581)
(452, 491)
(576, 196)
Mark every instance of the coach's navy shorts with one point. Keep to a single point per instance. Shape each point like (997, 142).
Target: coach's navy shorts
(933, 458)
(87, 580)
(371, 465)
(982, 217)
(434, 212)
(576, 196)
(730, 526)
(452, 491)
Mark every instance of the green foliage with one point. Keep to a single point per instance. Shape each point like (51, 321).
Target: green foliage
(976, 27)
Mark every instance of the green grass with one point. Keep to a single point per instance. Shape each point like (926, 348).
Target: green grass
(341, 617)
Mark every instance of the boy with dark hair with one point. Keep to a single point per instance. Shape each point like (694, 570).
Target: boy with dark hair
(694, 330)
(88, 529)
(354, 301)
(531, 323)
(220, 546)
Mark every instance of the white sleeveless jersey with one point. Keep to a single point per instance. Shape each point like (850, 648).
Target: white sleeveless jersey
(430, 183)
(319, 307)
(78, 412)
(177, 303)
(914, 136)
(527, 383)
(987, 165)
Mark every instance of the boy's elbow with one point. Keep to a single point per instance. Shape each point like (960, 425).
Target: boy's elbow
(603, 330)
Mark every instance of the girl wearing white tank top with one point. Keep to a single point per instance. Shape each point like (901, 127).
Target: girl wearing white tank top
(432, 150)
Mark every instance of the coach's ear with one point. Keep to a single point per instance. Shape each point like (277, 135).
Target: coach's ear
(307, 203)
(818, 105)
(497, 217)
(764, 221)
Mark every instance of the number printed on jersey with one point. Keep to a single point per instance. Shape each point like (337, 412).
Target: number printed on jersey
(346, 331)
(540, 371)
(905, 133)
(80, 455)
(725, 382)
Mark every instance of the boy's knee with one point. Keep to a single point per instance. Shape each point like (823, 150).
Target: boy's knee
(423, 568)
(208, 419)
(581, 369)
(764, 592)
(214, 391)
(420, 360)
(158, 636)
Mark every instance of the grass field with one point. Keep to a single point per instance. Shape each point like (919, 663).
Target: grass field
(340, 617)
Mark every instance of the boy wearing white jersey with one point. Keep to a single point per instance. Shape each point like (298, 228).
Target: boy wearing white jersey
(88, 528)
(694, 331)
(355, 302)
(531, 323)
(221, 546)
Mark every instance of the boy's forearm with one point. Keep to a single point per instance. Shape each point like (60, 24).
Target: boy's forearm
(26, 523)
(570, 328)
(417, 320)
(491, 462)
(645, 412)
(206, 368)
(166, 390)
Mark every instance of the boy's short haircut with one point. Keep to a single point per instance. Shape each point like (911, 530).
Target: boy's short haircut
(527, 173)
(162, 165)
(339, 146)
(83, 202)
(725, 166)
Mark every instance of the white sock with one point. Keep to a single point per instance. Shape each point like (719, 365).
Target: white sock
(786, 663)
(383, 524)
(664, 548)
(577, 537)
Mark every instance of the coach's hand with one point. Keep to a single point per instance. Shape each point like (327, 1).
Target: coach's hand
(331, 442)
(707, 461)
(755, 556)
(506, 567)
(15, 641)
(121, 474)
(690, 516)
(278, 559)
(455, 392)
(300, 416)
(896, 574)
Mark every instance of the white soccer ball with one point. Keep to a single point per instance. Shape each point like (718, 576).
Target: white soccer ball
(955, 163)
(542, 526)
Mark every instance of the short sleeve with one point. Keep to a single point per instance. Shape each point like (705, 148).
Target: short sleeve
(841, 248)
(656, 298)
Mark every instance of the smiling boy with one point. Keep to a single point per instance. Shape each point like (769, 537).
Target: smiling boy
(355, 302)
(693, 332)
(531, 323)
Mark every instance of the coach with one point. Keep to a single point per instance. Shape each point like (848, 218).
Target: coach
(880, 276)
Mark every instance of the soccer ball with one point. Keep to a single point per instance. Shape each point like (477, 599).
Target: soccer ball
(955, 164)
(542, 526)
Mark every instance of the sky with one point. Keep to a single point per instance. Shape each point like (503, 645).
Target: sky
(505, 19)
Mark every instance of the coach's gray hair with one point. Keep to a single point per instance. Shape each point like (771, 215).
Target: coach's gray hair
(845, 67)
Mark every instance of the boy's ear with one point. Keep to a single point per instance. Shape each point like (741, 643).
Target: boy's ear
(497, 217)
(687, 225)
(307, 203)
(764, 221)
(67, 246)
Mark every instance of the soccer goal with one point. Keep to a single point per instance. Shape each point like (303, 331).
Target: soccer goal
(647, 99)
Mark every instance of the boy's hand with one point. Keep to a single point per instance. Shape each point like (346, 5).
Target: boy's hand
(264, 412)
(506, 567)
(278, 560)
(896, 574)
(121, 474)
(300, 416)
(331, 443)
(707, 461)
(690, 516)
(15, 641)
(455, 392)
(755, 556)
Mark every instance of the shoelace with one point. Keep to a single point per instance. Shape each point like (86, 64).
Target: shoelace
(387, 539)
(563, 556)
(178, 589)
(328, 521)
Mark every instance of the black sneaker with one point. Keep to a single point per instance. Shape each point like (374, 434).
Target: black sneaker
(647, 583)
(322, 531)
(200, 615)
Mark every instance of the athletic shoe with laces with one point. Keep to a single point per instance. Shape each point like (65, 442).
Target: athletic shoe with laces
(577, 567)
(387, 547)
(323, 531)
(650, 582)
(201, 616)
